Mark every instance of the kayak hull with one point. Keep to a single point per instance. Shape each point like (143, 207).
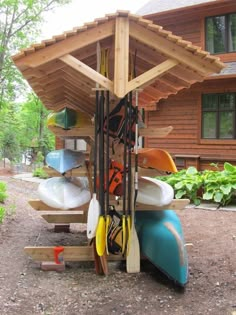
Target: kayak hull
(162, 243)
(64, 160)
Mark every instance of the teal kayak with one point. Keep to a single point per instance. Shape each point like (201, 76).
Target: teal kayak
(162, 243)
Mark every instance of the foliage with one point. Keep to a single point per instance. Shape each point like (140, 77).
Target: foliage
(20, 22)
(2, 214)
(3, 194)
(186, 184)
(39, 172)
(216, 186)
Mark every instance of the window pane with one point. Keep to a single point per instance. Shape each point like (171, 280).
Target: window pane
(226, 125)
(227, 101)
(209, 125)
(210, 102)
(232, 32)
(215, 34)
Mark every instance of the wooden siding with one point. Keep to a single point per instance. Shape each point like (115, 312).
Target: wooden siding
(183, 112)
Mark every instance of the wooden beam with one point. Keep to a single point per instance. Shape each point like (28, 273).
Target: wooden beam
(87, 71)
(155, 132)
(67, 45)
(121, 66)
(39, 205)
(65, 218)
(79, 132)
(172, 50)
(70, 253)
(151, 74)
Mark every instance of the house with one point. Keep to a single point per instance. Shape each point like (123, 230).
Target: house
(204, 115)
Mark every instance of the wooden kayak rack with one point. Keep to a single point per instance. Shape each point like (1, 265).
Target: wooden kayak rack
(79, 215)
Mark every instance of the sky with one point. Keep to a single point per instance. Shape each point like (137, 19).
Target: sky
(80, 11)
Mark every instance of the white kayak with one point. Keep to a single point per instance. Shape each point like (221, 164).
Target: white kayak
(154, 192)
(62, 193)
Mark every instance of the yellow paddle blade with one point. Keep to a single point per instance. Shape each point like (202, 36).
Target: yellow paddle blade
(124, 239)
(101, 236)
(128, 228)
(108, 222)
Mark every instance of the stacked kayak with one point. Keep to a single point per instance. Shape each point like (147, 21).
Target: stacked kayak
(63, 193)
(68, 118)
(64, 160)
(162, 243)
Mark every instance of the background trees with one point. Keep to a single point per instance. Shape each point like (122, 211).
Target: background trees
(22, 116)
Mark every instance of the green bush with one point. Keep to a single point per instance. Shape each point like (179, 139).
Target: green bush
(39, 172)
(215, 186)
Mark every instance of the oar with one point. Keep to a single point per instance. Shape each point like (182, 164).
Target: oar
(124, 235)
(94, 206)
(133, 257)
(101, 228)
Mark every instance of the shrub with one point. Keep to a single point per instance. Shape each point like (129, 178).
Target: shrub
(39, 172)
(2, 214)
(3, 194)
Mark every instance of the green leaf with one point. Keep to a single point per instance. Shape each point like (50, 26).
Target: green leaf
(208, 195)
(189, 186)
(226, 189)
(180, 194)
(229, 167)
(218, 197)
(196, 201)
(179, 185)
(191, 170)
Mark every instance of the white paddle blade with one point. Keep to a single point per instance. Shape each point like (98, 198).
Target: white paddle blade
(133, 257)
(93, 216)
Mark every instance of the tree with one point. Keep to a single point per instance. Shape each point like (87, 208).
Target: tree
(20, 22)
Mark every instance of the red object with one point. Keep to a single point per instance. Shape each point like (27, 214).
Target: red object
(57, 257)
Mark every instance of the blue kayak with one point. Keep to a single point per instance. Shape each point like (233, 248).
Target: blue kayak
(162, 243)
(65, 160)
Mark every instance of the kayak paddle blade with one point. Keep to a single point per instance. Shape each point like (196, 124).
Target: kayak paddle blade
(93, 216)
(101, 236)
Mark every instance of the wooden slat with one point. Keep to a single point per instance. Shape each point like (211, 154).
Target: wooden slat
(155, 132)
(79, 132)
(39, 205)
(121, 67)
(87, 71)
(81, 171)
(70, 253)
(64, 218)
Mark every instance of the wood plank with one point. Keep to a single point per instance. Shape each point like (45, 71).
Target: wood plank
(39, 205)
(66, 46)
(76, 172)
(153, 132)
(79, 132)
(64, 218)
(87, 71)
(151, 74)
(121, 66)
(71, 253)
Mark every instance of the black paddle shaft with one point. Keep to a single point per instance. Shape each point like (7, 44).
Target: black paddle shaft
(96, 123)
(125, 154)
(101, 153)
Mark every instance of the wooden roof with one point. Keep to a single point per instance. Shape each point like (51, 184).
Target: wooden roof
(62, 70)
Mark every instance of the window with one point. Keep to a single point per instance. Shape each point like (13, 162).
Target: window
(218, 116)
(221, 33)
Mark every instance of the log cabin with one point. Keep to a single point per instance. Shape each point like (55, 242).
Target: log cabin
(203, 116)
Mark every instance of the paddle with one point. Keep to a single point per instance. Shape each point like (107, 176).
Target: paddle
(94, 206)
(101, 228)
(133, 257)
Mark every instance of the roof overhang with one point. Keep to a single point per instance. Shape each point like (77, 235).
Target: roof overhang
(63, 70)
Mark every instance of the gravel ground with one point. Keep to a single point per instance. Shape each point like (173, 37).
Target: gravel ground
(26, 290)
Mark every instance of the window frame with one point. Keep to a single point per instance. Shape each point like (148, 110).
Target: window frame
(227, 19)
(218, 111)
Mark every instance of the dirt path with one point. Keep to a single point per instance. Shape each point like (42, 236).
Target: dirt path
(26, 290)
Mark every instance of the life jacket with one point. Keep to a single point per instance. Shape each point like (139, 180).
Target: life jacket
(116, 170)
(115, 235)
(116, 128)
